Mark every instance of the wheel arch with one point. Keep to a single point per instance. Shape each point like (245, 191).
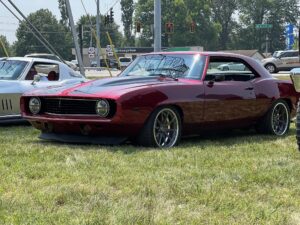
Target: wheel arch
(174, 105)
(289, 102)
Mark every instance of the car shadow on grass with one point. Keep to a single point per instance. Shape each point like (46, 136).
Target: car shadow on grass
(233, 137)
(219, 139)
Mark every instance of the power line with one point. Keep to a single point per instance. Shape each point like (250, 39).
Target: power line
(29, 26)
(88, 15)
(39, 36)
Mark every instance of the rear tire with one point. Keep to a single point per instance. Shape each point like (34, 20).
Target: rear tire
(162, 129)
(298, 125)
(277, 119)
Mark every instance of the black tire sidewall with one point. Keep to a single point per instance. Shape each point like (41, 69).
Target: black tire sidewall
(146, 137)
(298, 125)
(271, 64)
(271, 115)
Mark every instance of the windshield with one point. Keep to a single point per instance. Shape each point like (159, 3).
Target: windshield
(277, 54)
(11, 69)
(176, 65)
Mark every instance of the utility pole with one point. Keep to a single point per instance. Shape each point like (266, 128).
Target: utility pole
(80, 30)
(157, 25)
(75, 37)
(98, 32)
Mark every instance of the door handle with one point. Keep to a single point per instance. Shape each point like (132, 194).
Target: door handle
(249, 88)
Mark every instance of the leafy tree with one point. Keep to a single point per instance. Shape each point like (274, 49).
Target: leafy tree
(63, 12)
(88, 38)
(222, 14)
(127, 7)
(181, 14)
(4, 41)
(51, 29)
(275, 12)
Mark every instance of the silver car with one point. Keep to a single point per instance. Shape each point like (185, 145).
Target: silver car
(21, 74)
(52, 57)
(282, 61)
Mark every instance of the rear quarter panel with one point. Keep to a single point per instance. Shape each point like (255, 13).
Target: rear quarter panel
(268, 90)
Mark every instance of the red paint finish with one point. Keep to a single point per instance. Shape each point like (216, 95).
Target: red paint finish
(202, 104)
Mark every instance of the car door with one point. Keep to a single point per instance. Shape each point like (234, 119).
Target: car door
(289, 60)
(229, 95)
(293, 60)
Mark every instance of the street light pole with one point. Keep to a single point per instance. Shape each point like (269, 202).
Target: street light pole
(98, 31)
(157, 25)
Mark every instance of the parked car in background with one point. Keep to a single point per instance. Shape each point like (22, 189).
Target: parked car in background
(232, 66)
(75, 62)
(112, 63)
(124, 62)
(163, 96)
(21, 74)
(52, 57)
(282, 61)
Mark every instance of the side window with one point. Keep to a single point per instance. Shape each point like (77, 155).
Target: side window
(47, 71)
(287, 54)
(295, 54)
(230, 69)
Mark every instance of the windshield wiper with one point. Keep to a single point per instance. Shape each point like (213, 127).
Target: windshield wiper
(164, 76)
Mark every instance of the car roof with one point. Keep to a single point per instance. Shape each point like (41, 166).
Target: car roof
(29, 59)
(33, 54)
(288, 51)
(206, 53)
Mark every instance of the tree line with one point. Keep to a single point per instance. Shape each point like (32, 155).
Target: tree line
(219, 25)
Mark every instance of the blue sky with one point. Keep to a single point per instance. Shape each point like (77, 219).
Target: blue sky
(8, 24)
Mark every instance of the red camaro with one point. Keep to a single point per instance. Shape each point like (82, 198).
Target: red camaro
(163, 96)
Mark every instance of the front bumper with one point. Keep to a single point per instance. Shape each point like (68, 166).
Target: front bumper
(82, 126)
(82, 139)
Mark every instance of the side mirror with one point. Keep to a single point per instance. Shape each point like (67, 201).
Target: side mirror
(36, 78)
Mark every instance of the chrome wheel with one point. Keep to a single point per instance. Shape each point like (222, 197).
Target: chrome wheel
(280, 119)
(271, 68)
(166, 128)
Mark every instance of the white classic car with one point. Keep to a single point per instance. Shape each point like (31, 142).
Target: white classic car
(20, 74)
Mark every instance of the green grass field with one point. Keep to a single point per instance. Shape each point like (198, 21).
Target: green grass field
(238, 178)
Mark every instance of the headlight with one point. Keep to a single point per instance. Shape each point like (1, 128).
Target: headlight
(35, 105)
(102, 108)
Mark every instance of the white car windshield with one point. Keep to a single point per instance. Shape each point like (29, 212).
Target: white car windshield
(11, 69)
(171, 65)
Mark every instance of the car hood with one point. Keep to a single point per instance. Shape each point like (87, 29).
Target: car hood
(268, 60)
(109, 87)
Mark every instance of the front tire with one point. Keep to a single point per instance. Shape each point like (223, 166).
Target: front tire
(162, 129)
(277, 119)
(271, 68)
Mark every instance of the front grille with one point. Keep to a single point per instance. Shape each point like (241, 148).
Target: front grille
(6, 104)
(69, 106)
